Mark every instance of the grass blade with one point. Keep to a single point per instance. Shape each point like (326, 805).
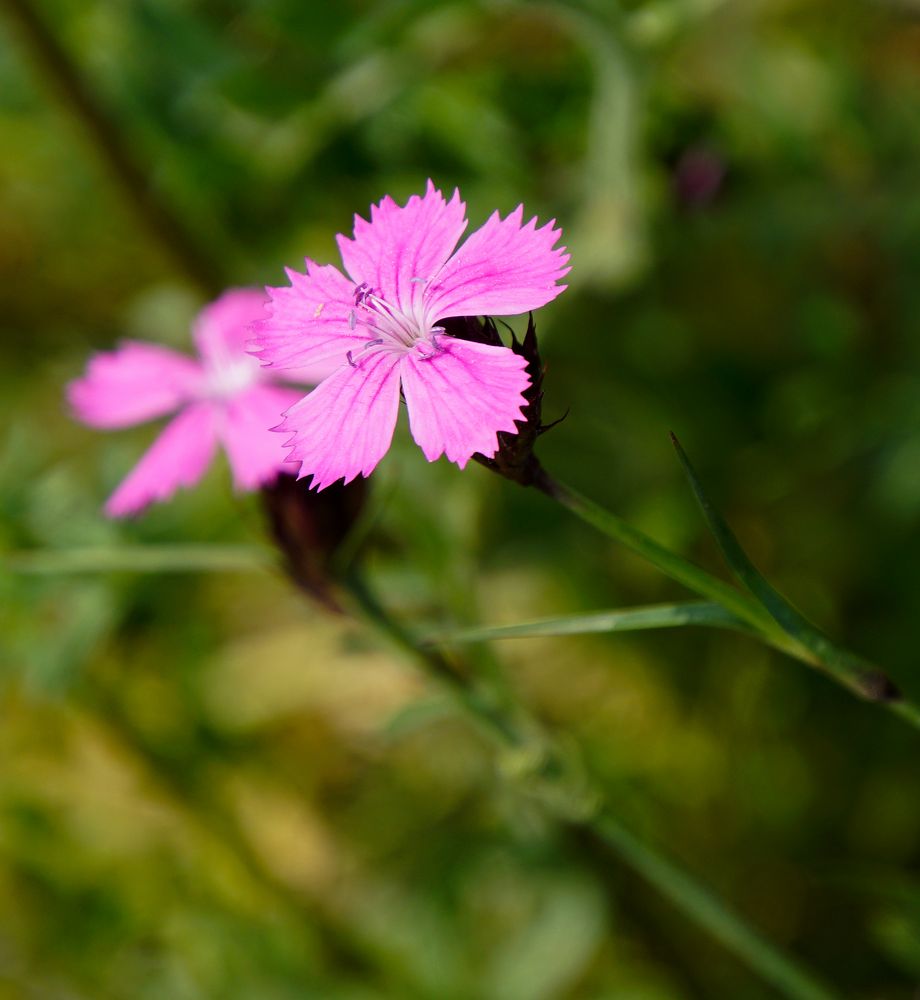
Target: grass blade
(856, 673)
(650, 616)
(138, 559)
(692, 577)
(707, 911)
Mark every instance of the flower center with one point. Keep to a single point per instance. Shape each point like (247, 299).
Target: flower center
(388, 327)
(231, 376)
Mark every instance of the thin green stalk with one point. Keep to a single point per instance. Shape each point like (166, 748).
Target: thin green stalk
(189, 558)
(907, 710)
(682, 570)
(651, 616)
(710, 913)
(848, 669)
(463, 686)
(561, 789)
(770, 617)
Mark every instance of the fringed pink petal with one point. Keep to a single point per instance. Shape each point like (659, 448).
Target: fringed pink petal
(344, 427)
(461, 396)
(256, 453)
(503, 269)
(223, 329)
(402, 247)
(134, 383)
(308, 323)
(178, 457)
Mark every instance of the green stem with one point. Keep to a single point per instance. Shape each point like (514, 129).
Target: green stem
(190, 558)
(561, 789)
(848, 669)
(651, 616)
(710, 913)
(481, 707)
(682, 570)
(786, 630)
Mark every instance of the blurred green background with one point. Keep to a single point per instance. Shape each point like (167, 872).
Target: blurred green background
(210, 789)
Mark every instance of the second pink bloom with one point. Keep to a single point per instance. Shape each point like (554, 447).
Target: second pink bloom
(220, 397)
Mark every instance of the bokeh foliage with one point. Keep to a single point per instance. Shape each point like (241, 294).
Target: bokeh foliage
(209, 789)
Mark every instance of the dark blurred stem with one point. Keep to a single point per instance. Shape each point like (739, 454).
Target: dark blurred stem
(563, 790)
(844, 667)
(61, 72)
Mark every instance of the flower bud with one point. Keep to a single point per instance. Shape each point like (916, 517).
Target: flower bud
(309, 528)
(514, 458)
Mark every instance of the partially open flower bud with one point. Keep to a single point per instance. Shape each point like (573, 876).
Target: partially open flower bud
(309, 528)
(514, 459)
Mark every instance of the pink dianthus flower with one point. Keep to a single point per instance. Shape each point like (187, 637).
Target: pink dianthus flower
(222, 397)
(379, 326)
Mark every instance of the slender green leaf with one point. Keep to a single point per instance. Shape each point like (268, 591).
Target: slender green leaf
(846, 668)
(856, 673)
(670, 563)
(138, 559)
(622, 620)
(710, 913)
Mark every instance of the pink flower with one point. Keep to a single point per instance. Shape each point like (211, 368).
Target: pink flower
(379, 326)
(223, 398)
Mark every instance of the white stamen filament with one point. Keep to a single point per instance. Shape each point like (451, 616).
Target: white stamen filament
(389, 328)
(389, 325)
